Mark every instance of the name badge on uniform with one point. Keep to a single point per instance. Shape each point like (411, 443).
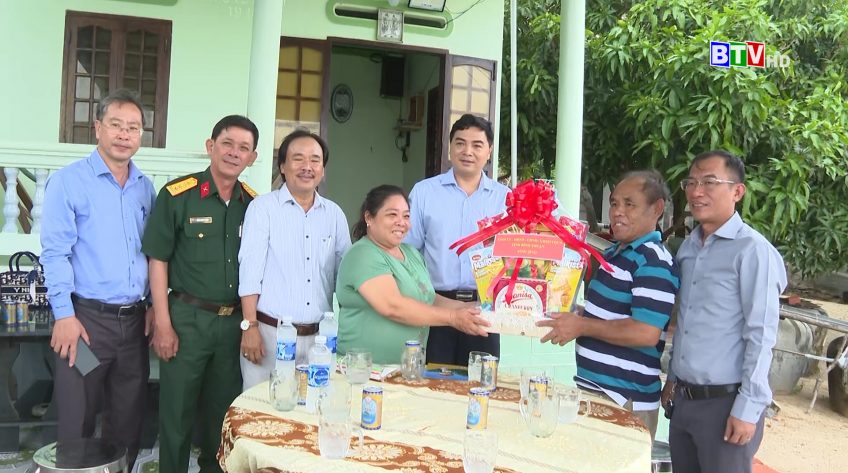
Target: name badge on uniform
(200, 220)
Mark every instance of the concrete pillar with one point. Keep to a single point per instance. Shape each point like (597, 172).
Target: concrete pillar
(262, 92)
(569, 139)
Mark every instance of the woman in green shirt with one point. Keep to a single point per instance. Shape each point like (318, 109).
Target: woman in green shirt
(383, 288)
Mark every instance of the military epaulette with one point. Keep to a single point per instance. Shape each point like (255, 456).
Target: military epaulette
(248, 189)
(181, 186)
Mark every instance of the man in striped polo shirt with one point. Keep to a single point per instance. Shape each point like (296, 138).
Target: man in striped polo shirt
(621, 331)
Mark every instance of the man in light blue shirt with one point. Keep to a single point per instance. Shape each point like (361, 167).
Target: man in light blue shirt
(445, 208)
(730, 281)
(292, 244)
(95, 211)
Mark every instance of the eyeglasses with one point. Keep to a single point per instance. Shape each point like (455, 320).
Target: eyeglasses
(115, 128)
(709, 183)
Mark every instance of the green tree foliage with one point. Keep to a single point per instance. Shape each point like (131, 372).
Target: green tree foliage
(653, 100)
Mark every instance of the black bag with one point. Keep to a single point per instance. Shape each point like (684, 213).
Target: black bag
(17, 285)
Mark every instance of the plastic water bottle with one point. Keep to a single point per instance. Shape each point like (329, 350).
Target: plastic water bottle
(286, 347)
(329, 327)
(318, 376)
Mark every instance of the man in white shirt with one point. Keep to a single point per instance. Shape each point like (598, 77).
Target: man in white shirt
(292, 242)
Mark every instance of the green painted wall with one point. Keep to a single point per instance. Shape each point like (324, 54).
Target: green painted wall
(468, 34)
(362, 149)
(209, 70)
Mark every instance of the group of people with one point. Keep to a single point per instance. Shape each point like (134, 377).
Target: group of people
(205, 271)
(725, 281)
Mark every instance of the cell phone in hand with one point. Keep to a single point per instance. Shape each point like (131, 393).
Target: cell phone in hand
(86, 361)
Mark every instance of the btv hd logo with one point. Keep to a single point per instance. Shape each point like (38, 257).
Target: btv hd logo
(747, 54)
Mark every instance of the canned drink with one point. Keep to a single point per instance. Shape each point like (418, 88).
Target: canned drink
(22, 313)
(489, 373)
(9, 312)
(302, 372)
(372, 407)
(539, 384)
(478, 409)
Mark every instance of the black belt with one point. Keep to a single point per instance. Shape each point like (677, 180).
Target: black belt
(223, 310)
(136, 308)
(699, 392)
(302, 329)
(464, 295)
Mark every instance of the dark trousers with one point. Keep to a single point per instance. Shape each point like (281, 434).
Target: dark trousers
(696, 438)
(450, 346)
(117, 387)
(199, 383)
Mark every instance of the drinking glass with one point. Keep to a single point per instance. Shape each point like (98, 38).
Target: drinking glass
(412, 363)
(526, 374)
(475, 366)
(282, 390)
(569, 404)
(540, 412)
(334, 424)
(334, 436)
(358, 365)
(480, 451)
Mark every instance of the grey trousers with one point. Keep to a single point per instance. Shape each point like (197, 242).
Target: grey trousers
(117, 387)
(696, 438)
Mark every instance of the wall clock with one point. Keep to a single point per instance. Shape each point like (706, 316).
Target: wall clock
(341, 103)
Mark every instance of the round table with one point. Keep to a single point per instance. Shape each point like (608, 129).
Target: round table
(423, 430)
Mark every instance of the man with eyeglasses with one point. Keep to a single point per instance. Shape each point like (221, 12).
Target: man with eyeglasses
(95, 212)
(730, 281)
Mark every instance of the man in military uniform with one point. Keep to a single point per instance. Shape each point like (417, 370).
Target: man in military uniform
(192, 241)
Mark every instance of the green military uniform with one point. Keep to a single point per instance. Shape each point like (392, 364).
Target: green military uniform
(198, 234)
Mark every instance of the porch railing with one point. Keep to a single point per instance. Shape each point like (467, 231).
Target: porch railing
(25, 168)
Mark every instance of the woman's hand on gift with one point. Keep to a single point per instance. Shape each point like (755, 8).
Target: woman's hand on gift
(565, 327)
(468, 320)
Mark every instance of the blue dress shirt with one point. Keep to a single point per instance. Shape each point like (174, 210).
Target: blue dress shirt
(729, 311)
(291, 257)
(91, 233)
(442, 213)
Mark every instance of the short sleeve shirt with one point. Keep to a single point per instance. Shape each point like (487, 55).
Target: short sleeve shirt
(642, 286)
(360, 326)
(198, 235)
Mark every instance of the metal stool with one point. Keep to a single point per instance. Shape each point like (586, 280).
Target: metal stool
(80, 456)
(660, 457)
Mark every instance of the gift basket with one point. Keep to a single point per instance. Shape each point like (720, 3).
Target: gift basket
(532, 261)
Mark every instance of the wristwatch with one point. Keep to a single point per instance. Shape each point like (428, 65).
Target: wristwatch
(246, 324)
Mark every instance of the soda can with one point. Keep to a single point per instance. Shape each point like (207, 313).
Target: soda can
(302, 372)
(478, 409)
(8, 310)
(372, 407)
(489, 373)
(539, 384)
(22, 313)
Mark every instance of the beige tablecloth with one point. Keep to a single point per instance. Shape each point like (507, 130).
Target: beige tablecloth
(423, 429)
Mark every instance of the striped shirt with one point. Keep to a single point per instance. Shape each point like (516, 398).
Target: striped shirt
(642, 286)
(291, 257)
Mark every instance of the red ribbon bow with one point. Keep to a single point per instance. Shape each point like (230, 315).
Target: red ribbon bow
(529, 204)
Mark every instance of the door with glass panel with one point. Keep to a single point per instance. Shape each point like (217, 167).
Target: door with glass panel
(470, 83)
(301, 90)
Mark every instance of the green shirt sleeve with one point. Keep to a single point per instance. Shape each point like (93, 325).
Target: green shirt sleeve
(159, 235)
